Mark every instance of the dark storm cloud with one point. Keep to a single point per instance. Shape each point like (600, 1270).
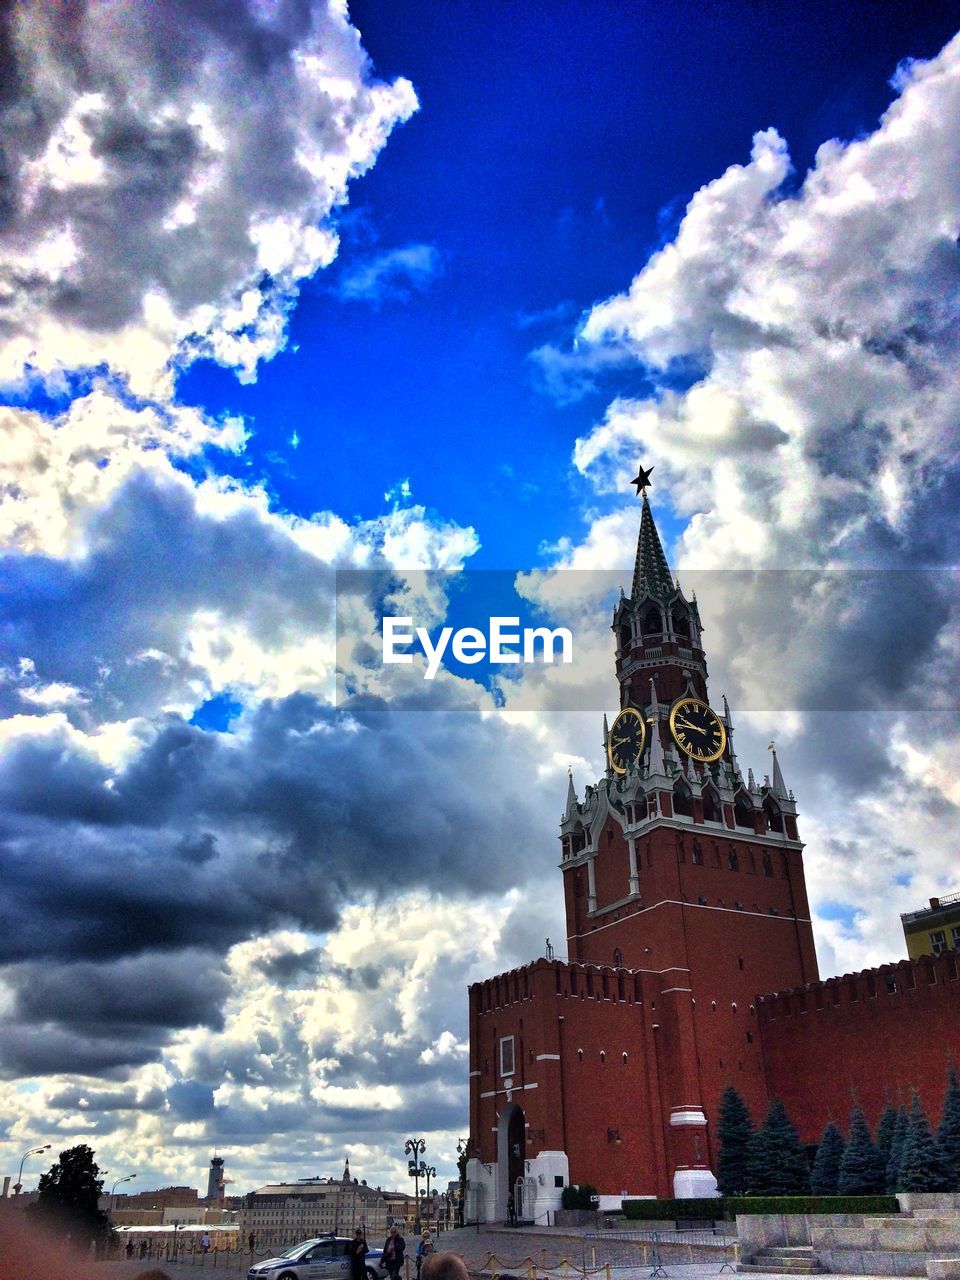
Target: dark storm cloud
(74, 1098)
(310, 807)
(147, 991)
(39, 1051)
(85, 1017)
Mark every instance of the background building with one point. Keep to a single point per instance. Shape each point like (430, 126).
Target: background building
(934, 929)
(280, 1214)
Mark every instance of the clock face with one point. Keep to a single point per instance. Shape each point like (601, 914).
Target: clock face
(697, 730)
(627, 737)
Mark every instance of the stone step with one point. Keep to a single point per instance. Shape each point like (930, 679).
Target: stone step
(795, 1268)
(784, 1260)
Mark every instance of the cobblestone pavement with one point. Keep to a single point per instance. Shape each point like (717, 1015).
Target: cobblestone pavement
(516, 1252)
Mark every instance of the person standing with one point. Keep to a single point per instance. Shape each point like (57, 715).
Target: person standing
(393, 1250)
(424, 1249)
(358, 1255)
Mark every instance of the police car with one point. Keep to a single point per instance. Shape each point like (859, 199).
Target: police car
(323, 1258)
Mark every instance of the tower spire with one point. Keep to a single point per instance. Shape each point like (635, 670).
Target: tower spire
(651, 573)
(779, 787)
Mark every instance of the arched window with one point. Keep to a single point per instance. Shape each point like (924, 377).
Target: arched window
(742, 810)
(711, 805)
(772, 814)
(652, 622)
(626, 640)
(618, 958)
(767, 865)
(733, 862)
(697, 856)
(682, 799)
(681, 624)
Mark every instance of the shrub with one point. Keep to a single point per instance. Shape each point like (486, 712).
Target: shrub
(729, 1206)
(578, 1197)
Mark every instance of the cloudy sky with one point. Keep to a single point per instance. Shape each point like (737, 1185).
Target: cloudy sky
(287, 291)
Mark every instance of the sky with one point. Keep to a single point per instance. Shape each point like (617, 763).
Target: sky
(305, 312)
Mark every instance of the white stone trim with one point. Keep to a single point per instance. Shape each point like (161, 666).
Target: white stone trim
(547, 1057)
(694, 906)
(687, 1116)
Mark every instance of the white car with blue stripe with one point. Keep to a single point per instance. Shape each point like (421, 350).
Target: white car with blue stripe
(322, 1258)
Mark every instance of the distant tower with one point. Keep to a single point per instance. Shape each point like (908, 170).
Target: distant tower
(346, 1169)
(215, 1182)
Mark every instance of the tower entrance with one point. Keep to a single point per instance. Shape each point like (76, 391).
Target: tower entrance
(511, 1163)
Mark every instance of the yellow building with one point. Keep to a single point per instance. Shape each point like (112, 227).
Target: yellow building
(933, 929)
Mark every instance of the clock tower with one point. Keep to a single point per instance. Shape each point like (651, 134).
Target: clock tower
(685, 898)
(677, 864)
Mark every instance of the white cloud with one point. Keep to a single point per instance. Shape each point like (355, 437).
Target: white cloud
(390, 274)
(172, 178)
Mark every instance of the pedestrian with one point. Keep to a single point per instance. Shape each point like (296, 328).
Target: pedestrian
(143, 1248)
(205, 1242)
(511, 1209)
(393, 1251)
(129, 1249)
(424, 1249)
(251, 1240)
(358, 1255)
(445, 1266)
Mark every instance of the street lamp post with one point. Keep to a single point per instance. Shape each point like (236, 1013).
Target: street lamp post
(113, 1193)
(427, 1171)
(34, 1151)
(415, 1147)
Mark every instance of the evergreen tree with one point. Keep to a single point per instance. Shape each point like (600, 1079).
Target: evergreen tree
(948, 1135)
(826, 1165)
(778, 1166)
(67, 1196)
(885, 1130)
(862, 1172)
(734, 1129)
(922, 1166)
(896, 1150)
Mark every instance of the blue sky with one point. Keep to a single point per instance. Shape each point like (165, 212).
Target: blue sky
(414, 288)
(555, 148)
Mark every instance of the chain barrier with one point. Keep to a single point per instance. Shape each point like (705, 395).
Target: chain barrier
(659, 1248)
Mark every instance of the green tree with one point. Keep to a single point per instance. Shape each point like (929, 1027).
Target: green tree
(885, 1132)
(862, 1171)
(922, 1166)
(734, 1131)
(948, 1134)
(826, 1164)
(778, 1166)
(67, 1197)
(896, 1150)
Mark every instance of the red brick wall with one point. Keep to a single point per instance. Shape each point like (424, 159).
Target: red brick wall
(848, 1040)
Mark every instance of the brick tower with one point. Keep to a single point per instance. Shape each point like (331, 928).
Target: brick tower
(685, 896)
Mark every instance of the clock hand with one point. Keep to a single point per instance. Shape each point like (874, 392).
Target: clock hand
(687, 724)
(618, 742)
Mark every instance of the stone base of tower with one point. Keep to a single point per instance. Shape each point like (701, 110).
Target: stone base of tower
(694, 1184)
(544, 1178)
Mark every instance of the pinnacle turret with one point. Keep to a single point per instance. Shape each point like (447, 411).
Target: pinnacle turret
(779, 787)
